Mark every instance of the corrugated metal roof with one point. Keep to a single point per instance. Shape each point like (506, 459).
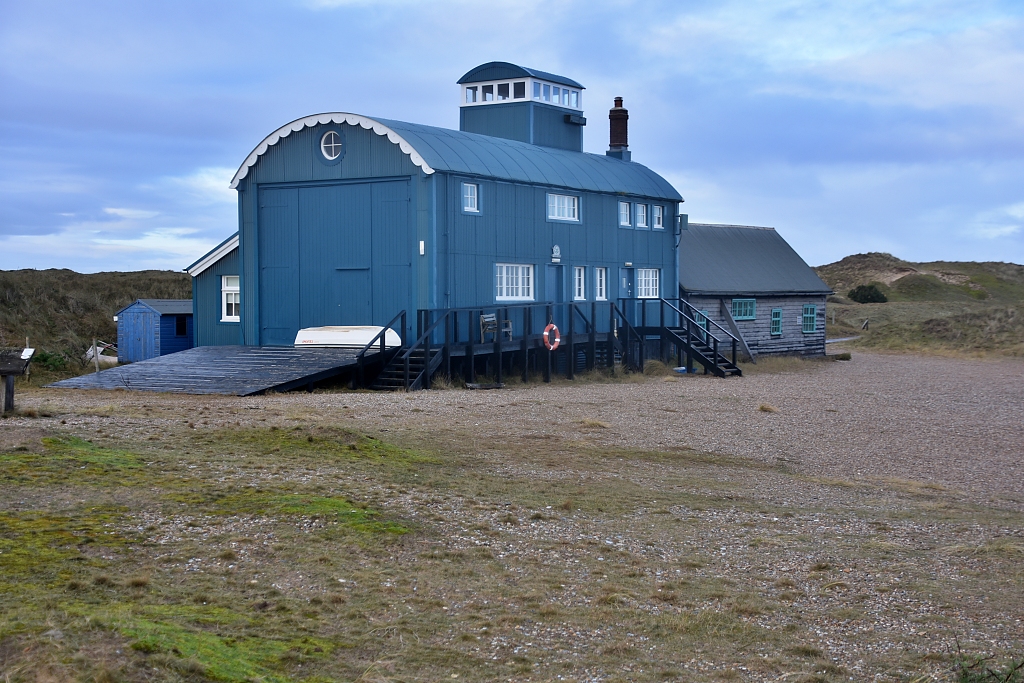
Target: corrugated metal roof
(169, 306)
(736, 259)
(483, 155)
(496, 71)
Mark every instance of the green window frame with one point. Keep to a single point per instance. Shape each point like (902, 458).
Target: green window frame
(777, 322)
(810, 318)
(744, 309)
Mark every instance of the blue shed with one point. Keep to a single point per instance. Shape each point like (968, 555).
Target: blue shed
(347, 220)
(153, 327)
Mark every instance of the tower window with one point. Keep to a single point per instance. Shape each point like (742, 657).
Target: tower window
(487, 93)
(503, 91)
(471, 94)
(536, 90)
(574, 99)
(547, 92)
(519, 90)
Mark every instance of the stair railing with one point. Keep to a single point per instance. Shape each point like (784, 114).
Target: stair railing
(423, 377)
(630, 334)
(692, 322)
(380, 337)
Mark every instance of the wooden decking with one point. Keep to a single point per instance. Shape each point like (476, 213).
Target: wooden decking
(232, 370)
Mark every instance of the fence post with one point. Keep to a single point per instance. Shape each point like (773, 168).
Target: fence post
(592, 351)
(471, 370)
(570, 362)
(547, 364)
(524, 346)
(611, 337)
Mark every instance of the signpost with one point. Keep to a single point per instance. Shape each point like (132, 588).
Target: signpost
(12, 362)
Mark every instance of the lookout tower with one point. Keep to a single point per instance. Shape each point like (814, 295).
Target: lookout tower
(509, 101)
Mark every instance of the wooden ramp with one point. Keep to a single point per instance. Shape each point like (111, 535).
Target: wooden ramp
(232, 370)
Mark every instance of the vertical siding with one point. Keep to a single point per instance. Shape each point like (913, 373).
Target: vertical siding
(170, 342)
(206, 304)
(757, 332)
(137, 334)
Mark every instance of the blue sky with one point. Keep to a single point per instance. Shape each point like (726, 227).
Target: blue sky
(849, 126)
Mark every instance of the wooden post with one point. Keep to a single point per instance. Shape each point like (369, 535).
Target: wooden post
(592, 346)
(29, 368)
(547, 354)
(524, 345)
(6, 394)
(95, 355)
(570, 365)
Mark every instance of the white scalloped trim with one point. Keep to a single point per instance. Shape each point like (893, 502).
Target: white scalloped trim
(321, 119)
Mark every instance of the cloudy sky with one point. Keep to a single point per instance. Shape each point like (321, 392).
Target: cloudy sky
(850, 126)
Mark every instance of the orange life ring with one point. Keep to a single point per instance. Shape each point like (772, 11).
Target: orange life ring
(558, 340)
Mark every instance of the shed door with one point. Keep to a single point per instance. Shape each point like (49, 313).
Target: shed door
(278, 231)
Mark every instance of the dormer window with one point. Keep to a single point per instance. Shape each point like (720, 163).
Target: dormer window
(519, 90)
(487, 93)
(471, 94)
(502, 91)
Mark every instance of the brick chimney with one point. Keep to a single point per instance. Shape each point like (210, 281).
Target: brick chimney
(618, 124)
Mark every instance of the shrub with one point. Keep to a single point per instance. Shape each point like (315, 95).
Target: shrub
(53, 362)
(867, 294)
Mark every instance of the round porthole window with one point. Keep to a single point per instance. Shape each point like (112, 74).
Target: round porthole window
(330, 145)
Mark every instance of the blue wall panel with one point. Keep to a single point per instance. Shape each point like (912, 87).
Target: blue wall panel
(207, 306)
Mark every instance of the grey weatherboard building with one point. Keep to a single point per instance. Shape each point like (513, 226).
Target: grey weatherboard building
(347, 220)
(749, 280)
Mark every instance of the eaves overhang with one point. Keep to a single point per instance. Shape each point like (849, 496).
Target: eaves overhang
(214, 255)
(324, 119)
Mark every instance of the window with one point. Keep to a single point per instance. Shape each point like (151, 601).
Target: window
(658, 213)
(701, 318)
(601, 284)
(180, 325)
(579, 289)
(513, 282)
(563, 207)
(647, 283)
(502, 91)
(777, 322)
(536, 91)
(810, 318)
(330, 145)
(230, 311)
(471, 197)
(471, 94)
(574, 99)
(624, 214)
(547, 92)
(487, 93)
(641, 215)
(519, 90)
(744, 309)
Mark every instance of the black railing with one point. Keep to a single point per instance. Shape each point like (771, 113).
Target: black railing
(382, 338)
(697, 330)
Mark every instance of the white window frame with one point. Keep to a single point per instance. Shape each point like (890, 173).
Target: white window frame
(569, 97)
(601, 284)
(641, 215)
(230, 295)
(330, 149)
(563, 207)
(625, 220)
(513, 282)
(579, 288)
(648, 283)
(658, 214)
(471, 197)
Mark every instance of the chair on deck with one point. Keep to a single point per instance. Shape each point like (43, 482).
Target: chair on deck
(489, 325)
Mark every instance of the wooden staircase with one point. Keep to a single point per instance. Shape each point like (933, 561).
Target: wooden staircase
(702, 348)
(394, 376)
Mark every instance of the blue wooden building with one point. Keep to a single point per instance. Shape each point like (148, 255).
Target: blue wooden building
(346, 219)
(153, 327)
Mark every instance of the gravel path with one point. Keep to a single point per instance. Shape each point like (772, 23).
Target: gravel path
(943, 421)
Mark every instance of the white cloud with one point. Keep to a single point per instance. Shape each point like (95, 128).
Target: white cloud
(203, 186)
(131, 214)
(997, 223)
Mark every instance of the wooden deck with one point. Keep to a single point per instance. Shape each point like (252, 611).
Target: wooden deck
(232, 370)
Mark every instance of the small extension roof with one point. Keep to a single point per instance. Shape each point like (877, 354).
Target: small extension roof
(165, 306)
(441, 149)
(497, 71)
(726, 260)
(212, 256)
